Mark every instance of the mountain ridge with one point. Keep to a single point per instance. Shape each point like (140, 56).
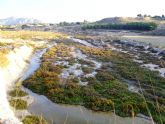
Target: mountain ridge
(17, 21)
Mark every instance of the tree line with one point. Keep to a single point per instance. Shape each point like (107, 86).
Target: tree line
(142, 26)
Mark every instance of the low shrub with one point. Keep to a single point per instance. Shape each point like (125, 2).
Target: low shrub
(142, 26)
(17, 93)
(87, 70)
(34, 120)
(104, 76)
(18, 104)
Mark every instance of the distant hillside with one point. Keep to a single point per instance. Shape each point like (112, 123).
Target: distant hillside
(16, 21)
(116, 20)
(111, 20)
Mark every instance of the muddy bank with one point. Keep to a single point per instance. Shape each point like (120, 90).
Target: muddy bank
(17, 60)
(60, 114)
(156, 41)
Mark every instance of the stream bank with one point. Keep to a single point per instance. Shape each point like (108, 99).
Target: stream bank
(69, 114)
(17, 60)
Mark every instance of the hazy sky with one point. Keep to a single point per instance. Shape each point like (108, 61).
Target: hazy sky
(78, 10)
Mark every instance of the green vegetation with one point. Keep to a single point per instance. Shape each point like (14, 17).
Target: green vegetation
(33, 120)
(142, 26)
(105, 92)
(87, 70)
(17, 93)
(71, 61)
(18, 104)
(85, 62)
(151, 85)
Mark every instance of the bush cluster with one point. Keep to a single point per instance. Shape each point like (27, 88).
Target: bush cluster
(142, 26)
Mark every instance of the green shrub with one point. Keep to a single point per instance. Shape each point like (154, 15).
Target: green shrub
(142, 26)
(33, 120)
(87, 69)
(104, 76)
(85, 62)
(71, 61)
(18, 104)
(17, 93)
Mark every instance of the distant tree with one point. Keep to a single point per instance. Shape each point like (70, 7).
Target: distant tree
(24, 26)
(139, 15)
(85, 22)
(51, 24)
(64, 23)
(145, 15)
(157, 17)
(78, 23)
(128, 26)
(163, 16)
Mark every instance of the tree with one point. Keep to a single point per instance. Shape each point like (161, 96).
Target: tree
(145, 15)
(139, 15)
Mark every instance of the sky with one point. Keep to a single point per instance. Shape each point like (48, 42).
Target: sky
(79, 10)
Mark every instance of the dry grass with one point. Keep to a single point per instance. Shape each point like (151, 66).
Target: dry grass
(31, 35)
(84, 37)
(60, 50)
(94, 51)
(3, 60)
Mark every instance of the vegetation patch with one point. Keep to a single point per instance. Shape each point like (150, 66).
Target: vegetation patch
(18, 104)
(142, 26)
(96, 52)
(34, 120)
(107, 91)
(85, 62)
(87, 70)
(17, 93)
(32, 35)
(3, 60)
(71, 61)
(3, 44)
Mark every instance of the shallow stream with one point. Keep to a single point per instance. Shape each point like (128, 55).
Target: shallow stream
(69, 114)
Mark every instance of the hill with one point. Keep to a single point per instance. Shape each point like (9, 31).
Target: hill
(116, 20)
(16, 21)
